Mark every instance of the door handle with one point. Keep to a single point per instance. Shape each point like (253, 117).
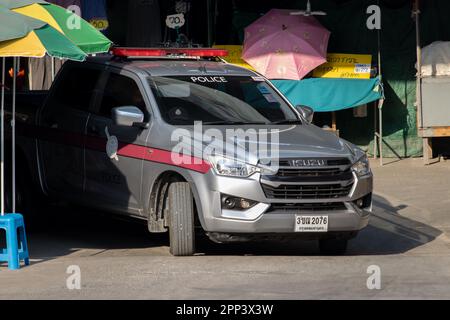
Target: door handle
(93, 129)
(52, 123)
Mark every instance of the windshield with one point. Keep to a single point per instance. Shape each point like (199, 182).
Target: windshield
(219, 100)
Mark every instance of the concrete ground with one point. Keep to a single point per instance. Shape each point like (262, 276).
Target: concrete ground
(408, 239)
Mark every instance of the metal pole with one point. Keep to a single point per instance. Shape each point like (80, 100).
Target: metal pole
(13, 134)
(209, 19)
(53, 69)
(375, 136)
(30, 75)
(416, 15)
(2, 142)
(380, 110)
(380, 104)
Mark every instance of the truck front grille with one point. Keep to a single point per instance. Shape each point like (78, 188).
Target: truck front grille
(289, 172)
(295, 207)
(300, 192)
(326, 179)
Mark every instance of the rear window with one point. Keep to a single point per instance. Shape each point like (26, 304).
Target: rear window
(76, 87)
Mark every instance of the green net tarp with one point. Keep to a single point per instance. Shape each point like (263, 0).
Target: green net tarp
(325, 95)
(349, 34)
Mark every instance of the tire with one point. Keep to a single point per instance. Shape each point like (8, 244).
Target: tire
(181, 219)
(333, 246)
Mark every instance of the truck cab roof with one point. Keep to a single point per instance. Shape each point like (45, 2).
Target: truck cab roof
(172, 66)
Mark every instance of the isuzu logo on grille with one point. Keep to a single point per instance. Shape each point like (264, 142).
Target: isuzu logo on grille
(308, 163)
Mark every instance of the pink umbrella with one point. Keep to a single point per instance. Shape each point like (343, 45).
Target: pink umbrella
(280, 45)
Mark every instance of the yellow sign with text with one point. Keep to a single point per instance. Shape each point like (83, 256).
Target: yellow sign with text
(342, 65)
(234, 55)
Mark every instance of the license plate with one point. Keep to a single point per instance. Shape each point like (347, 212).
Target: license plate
(311, 223)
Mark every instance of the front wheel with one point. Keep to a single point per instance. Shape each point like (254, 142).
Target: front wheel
(181, 219)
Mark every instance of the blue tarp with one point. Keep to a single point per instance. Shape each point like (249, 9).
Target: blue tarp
(329, 94)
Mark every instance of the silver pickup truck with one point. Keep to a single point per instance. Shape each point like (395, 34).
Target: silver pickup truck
(190, 144)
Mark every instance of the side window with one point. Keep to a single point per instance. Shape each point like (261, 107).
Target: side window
(76, 88)
(121, 91)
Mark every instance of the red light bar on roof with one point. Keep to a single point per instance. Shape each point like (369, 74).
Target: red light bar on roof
(163, 52)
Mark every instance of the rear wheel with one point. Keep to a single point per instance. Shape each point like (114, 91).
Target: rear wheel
(333, 246)
(181, 219)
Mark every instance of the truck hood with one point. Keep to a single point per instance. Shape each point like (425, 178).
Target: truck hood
(294, 141)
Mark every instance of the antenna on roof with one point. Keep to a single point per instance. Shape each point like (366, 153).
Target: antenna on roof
(308, 12)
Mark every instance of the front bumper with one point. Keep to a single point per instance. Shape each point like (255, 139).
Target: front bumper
(261, 219)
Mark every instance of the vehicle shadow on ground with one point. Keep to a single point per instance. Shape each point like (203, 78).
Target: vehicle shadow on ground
(67, 231)
(388, 233)
(391, 233)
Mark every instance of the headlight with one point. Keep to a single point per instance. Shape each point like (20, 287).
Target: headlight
(361, 167)
(231, 167)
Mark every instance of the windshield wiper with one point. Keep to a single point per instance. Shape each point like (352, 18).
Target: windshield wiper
(233, 123)
(288, 121)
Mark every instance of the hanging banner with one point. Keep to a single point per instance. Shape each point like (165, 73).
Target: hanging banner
(234, 55)
(343, 65)
(94, 11)
(325, 95)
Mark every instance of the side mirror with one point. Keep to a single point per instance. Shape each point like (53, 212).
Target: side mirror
(127, 116)
(306, 112)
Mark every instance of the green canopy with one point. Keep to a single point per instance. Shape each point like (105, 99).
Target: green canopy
(85, 36)
(79, 31)
(327, 94)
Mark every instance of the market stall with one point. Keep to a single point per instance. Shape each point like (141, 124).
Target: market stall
(433, 88)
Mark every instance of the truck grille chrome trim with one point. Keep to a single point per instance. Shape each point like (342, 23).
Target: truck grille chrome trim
(329, 162)
(283, 172)
(296, 207)
(325, 191)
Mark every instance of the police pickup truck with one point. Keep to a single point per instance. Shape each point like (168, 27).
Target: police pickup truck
(189, 143)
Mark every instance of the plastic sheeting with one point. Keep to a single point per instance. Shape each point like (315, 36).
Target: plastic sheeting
(436, 59)
(324, 95)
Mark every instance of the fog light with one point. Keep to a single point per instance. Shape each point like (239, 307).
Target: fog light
(229, 203)
(245, 204)
(364, 202)
(235, 203)
(360, 203)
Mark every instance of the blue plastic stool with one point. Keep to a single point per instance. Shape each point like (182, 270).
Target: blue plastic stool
(16, 241)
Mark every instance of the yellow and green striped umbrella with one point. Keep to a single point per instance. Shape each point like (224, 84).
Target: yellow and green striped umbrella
(35, 39)
(79, 31)
(14, 26)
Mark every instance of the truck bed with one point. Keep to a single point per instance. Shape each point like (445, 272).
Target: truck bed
(27, 99)
(27, 104)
